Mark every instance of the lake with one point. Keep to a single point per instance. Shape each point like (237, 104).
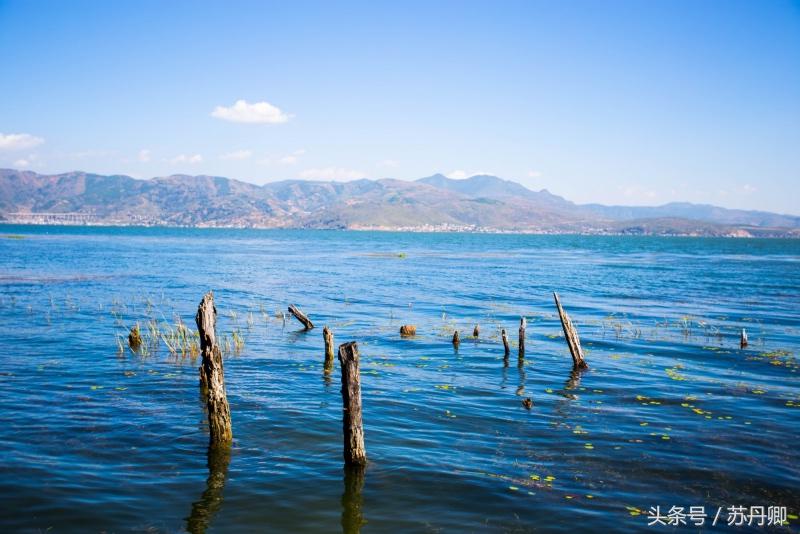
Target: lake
(671, 412)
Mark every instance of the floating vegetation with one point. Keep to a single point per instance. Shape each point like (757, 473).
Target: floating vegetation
(673, 373)
(779, 358)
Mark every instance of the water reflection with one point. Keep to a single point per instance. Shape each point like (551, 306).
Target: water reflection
(573, 382)
(352, 500)
(521, 371)
(203, 511)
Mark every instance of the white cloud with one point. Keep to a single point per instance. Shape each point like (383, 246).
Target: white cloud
(291, 159)
(144, 155)
(256, 113)
(747, 189)
(19, 141)
(183, 158)
(534, 174)
(20, 163)
(237, 154)
(332, 173)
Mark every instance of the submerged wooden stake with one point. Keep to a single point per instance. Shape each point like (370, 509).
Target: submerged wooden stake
(212, 375)
(353, 429)
(505, 341)
(743, 340)
(328, 337)
(571, 334)
(300, 316)
(408, 330)
(456, 340)
(523, 323)
(135, 338)
(475, 331)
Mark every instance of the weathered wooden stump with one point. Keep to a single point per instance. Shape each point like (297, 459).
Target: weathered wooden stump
(408, 330)
(135, 338)
(743, 339)
(456, 340)
(571, 334)
(352, 426)
(527, 403)
(328, 337)
(476, 331)
(523, 323)
(300, 316)
(506, 349)
(212, 375)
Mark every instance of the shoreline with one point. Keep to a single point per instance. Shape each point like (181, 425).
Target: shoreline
(767, 233)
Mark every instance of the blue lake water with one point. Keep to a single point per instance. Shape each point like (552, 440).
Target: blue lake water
(671, 411)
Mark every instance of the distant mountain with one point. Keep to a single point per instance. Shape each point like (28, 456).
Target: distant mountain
(486, 186)
(699, 212)
(479, 203)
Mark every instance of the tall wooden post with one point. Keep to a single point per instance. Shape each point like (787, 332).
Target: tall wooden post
(523, 323)
(743, 339)
(476, 331)
(327, 335)
(505, 342)
(456, 340)
(573, 341)
(212, 374)
(352, 426)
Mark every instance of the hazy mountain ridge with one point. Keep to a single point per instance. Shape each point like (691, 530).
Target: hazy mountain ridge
(482, 203)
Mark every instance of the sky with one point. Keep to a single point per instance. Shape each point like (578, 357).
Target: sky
(618, 102)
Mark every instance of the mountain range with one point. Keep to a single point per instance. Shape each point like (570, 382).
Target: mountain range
(479, 203)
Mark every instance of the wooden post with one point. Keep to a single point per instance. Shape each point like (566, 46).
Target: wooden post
(523, 323)
(573, 341)
(353, 430)
(456, 340)
(300, 316)
(408, 330)
(505, 342)
(328, 337)
(212, 374)
(475, 331)
(743, 339)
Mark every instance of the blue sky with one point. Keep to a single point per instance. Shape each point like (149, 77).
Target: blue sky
(623, 102)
